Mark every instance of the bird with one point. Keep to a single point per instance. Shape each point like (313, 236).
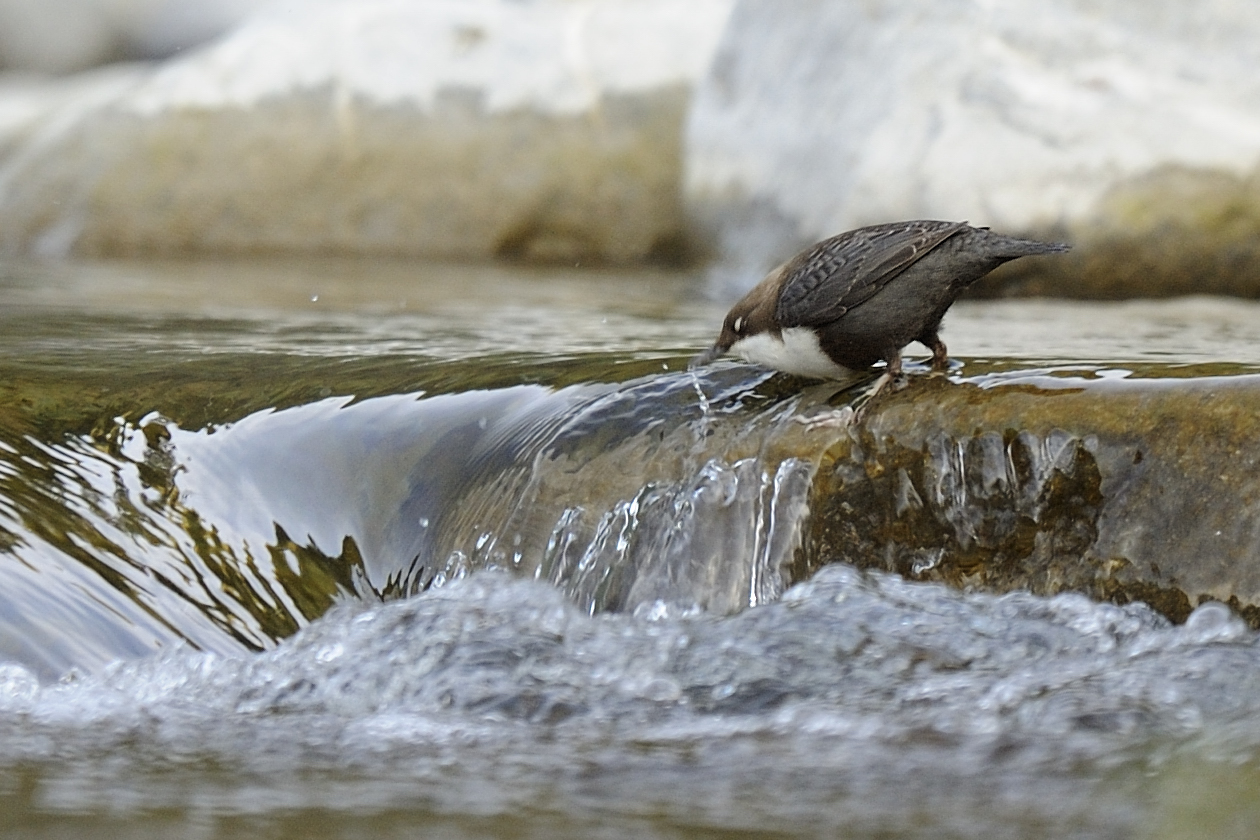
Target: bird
(858, 298)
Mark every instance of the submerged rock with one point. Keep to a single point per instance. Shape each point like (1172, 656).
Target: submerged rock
(1121, 489)
(547, 131)
(1130, 128)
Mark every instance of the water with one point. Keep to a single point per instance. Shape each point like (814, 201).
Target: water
(227, 492)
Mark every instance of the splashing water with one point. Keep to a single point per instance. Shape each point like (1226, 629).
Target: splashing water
(1006, 716)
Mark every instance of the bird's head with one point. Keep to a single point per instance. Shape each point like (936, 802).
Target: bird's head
(755, 313)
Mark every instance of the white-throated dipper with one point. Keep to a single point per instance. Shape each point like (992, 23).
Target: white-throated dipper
(859, 297)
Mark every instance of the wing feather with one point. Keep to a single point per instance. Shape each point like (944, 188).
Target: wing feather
(827, 280)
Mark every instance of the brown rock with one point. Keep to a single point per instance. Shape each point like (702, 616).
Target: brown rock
(1121, 489)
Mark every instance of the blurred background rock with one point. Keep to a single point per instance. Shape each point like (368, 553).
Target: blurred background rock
(623, 131)
(63, 36)
(1129, 127)
(466, 129)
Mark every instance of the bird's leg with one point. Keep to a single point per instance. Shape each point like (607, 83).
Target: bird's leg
(892, 373)
(940, 356)
(893, 359)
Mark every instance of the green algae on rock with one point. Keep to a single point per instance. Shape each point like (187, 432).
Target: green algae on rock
(1120, 489)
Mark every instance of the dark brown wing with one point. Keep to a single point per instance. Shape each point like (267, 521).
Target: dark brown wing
(830, 278)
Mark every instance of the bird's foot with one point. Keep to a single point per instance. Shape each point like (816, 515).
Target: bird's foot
(841, 418)
(897, 381)
(852, 414)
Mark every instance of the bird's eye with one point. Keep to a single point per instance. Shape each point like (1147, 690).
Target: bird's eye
(738, 326)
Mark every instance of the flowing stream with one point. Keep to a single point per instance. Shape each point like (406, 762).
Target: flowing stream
(338, 548)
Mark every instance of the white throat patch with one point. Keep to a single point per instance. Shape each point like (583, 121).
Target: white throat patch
(799, 352)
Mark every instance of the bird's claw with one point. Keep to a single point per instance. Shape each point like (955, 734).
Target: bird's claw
(852, 414)
(841, 418)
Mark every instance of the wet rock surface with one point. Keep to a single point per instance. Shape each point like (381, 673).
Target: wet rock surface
(1121, 489)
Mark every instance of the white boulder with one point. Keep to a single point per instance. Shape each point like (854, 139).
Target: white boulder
(60, 36)
(452, 128)
(1087, 118)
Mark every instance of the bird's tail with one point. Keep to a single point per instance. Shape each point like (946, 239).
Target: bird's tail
(1008, 247)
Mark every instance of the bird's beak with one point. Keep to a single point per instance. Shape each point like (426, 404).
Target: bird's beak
(707, 356)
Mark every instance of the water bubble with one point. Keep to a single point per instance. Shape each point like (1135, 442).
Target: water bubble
(331, 652)
(1213, 622)
(660, 690)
